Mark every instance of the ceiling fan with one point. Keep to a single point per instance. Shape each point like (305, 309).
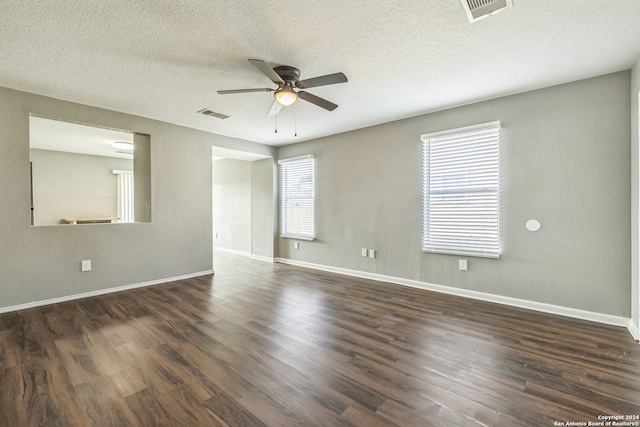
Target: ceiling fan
(288, 79)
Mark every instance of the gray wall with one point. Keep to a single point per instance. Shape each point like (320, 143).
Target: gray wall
(232, 204)
(142, 178)
(635, 195)
(565, 161)
(243, 206)
(263, 207)
(70, 185)
(38, 263)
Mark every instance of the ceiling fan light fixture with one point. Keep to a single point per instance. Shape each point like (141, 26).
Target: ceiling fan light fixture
(286, 95)
(122, 145)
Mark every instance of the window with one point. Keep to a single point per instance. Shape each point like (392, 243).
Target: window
(125, 195)
(297, 198)
(461, 191)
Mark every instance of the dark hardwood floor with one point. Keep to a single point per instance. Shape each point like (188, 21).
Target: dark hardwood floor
(275, 345)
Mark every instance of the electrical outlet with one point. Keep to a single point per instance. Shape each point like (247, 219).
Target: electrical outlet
(365, 252)
(462, 264)
(372, 253)
(86, 265)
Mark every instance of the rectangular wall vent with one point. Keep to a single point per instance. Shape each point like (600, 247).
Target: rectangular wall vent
(208, 112)
(478, 9)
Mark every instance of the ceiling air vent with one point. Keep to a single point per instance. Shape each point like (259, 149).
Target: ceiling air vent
(208, 112)
(478, 9)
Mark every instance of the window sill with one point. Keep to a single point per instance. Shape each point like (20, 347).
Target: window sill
(292, 236)
(461, 253)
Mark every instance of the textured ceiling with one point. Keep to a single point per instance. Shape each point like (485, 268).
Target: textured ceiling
(166, 59)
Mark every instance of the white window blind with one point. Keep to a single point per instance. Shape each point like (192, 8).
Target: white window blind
(297, 203)
(125, 195)
(461, 191)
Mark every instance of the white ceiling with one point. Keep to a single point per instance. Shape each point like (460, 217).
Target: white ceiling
(166, 59)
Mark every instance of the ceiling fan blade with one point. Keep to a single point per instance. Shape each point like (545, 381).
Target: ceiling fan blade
(262, 89)
(267, 71)
(275, 108)
(329, 79)
(320, 102)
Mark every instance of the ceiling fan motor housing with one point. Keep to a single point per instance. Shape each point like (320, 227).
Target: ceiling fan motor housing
(289, 74)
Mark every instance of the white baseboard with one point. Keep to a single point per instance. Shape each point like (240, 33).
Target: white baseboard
(233, 251)
(633, 328)
(261, 258)
(515, 302)
(243, 253)
(100, 292)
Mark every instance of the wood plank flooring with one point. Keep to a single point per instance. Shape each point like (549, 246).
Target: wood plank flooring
(276, 345)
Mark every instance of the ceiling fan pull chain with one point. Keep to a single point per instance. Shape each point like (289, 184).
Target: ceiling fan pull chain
(295, 120)
(276, 116)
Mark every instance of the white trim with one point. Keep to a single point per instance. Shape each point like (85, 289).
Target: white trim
(456, 131)
(233, 251)
(243, 253)
(261, 258)
(607, 319)
(633, 329)
(479, 254)
(101, 292)
(295, 159)
(298, 237)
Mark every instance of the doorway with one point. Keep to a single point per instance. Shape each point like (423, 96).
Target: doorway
(243, 203)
